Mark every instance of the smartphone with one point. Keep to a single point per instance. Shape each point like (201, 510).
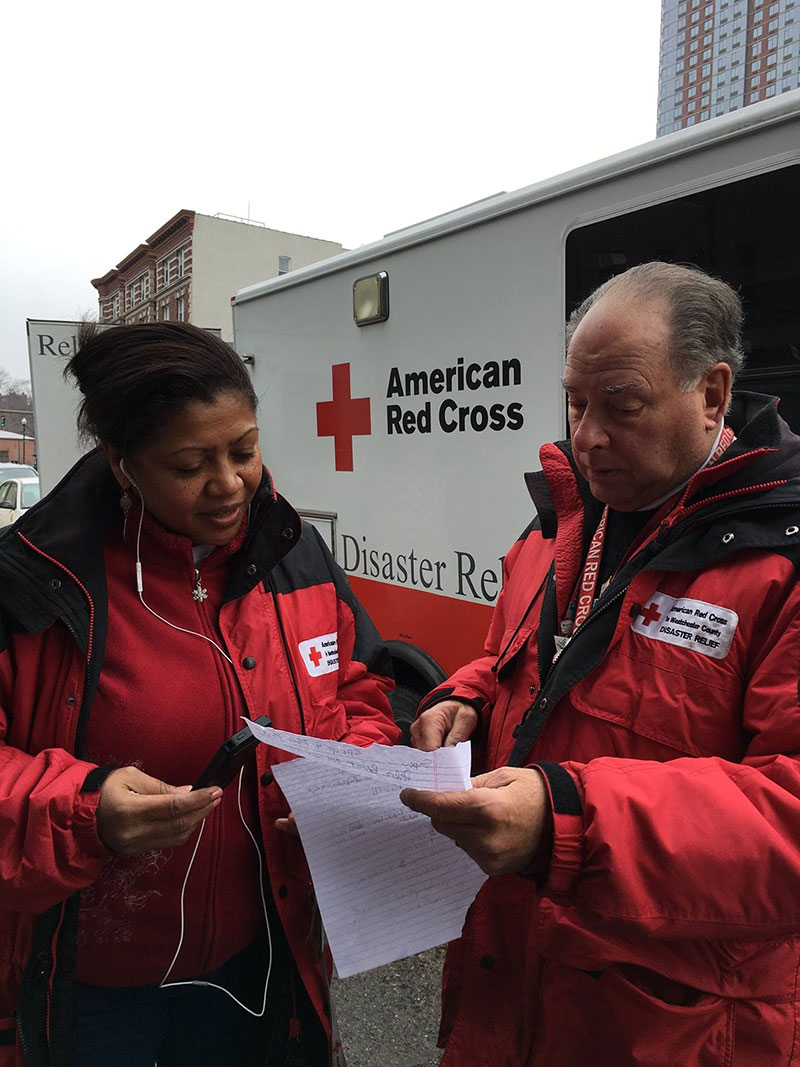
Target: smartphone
(230, 757)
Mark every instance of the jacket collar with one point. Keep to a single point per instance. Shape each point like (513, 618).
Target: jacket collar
(62, 537)
(765, 457)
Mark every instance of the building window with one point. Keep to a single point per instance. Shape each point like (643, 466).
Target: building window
(115, 306)
(164, 272)
(753, 98)
(180, 307)
(771, 75)
(165, 312)
(692, 76)
(703, 116)
(284, 264)
(181, 263)
(707, 70)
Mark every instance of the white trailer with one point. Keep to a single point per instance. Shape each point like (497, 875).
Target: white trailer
(51, 342)
(406, 437)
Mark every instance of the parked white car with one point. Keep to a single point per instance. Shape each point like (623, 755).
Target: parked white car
(16, 496)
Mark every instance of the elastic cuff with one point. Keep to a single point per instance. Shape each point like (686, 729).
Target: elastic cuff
(438, 696)
(96, 779)
(567, 828)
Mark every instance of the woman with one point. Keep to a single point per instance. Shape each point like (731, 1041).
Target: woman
(159, 594)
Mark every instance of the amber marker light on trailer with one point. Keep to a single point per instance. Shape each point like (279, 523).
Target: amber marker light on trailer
(371, 299)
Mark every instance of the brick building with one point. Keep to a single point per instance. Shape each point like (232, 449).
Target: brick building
(17, 448)
(189, 269)
(719, 55)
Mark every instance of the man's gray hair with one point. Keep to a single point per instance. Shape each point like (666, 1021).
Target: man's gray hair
(704, 315)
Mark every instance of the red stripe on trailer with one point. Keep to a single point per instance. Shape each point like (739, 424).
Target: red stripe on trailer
(450, 630)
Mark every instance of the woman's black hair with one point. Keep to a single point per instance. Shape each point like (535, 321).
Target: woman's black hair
(134, 379)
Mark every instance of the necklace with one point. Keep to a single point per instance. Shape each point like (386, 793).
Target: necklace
(199, 593)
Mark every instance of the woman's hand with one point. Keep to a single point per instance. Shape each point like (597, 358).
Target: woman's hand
(137, 813)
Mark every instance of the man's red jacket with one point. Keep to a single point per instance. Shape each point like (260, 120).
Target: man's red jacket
(667, 931)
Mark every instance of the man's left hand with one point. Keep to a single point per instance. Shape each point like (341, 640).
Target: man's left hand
(499, 822)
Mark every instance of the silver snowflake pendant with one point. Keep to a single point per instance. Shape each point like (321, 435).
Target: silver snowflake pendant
(199, 593)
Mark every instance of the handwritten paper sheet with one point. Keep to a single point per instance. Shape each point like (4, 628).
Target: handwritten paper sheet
(387, 884)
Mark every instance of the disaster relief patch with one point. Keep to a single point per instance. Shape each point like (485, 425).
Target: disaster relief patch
(693, 624)
(320, 654)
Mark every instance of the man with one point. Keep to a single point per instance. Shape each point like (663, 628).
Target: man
(639, 699)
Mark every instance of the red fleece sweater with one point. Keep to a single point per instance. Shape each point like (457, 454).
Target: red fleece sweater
(165, 702)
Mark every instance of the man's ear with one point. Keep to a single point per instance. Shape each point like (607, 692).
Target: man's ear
(716, 385)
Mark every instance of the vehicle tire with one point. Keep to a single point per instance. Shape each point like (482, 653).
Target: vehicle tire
(405, 701)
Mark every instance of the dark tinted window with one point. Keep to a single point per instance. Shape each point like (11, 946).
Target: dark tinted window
(747, 233)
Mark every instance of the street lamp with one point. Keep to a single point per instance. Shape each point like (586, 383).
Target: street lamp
(24, 424)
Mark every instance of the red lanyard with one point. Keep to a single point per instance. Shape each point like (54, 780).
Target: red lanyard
(584, 594)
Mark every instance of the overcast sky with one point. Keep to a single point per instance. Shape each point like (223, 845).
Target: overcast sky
(335, 120)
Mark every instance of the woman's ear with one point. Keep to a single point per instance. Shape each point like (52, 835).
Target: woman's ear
(114, 457)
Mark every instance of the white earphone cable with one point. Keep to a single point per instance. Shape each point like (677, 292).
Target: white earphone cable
(164, 984)
(140, 587)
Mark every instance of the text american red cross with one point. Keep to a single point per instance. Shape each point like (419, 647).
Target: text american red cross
(344, 417)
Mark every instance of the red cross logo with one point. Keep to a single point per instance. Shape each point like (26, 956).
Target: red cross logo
(651, 614)
(314, 656)
(344, 417)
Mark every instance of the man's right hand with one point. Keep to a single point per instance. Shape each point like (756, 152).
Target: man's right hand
(138, 813)
(443, 725)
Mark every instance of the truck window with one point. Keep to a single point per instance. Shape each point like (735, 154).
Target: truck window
(747, 232)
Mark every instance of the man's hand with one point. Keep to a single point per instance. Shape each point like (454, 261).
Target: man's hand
(443, 725)
(288, 825)
(137, 813)
(499, 822)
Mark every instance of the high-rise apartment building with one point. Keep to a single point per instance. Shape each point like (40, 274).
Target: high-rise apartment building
(719, 55)
(189, 269)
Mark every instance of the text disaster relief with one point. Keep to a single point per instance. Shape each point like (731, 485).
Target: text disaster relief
(346, 416)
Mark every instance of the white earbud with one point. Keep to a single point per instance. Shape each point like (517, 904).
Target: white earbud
(127, 475)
